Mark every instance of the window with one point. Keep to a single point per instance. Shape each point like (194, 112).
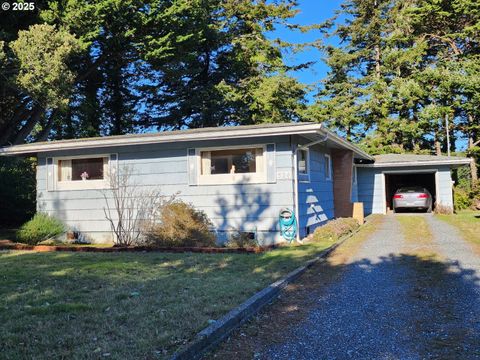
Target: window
(302, 162)
(81, 169)
(354, 174)
(232, 165)
(81, 173)
(328, 167)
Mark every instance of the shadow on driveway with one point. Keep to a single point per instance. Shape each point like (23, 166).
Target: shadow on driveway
(396, 307)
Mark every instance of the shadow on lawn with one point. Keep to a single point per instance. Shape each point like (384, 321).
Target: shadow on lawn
(148, 305)
(423, 306)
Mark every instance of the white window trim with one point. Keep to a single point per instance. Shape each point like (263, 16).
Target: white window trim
(82, 185)
(304, 177)
(329, 159)
(355, 174)
(226, 179)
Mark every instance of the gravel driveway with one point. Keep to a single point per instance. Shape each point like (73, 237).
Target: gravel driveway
(387, 302)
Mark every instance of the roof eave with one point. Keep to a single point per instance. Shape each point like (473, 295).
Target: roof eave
(344, 143)
(161, 138)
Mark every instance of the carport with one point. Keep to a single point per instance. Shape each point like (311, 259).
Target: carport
(395, 180)
(379, 179)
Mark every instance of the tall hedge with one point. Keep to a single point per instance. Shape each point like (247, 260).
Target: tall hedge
(17, 191)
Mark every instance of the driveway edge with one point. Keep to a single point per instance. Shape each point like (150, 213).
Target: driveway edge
(215, 333)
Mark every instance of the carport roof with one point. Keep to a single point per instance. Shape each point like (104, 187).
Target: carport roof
(392, 160)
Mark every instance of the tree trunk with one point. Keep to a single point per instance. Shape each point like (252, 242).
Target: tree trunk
(471, 144)
(473, 164)
(377, 52)
(47, 128)
(438, 145)
(377, 61)
(29, 125)
(8, 131)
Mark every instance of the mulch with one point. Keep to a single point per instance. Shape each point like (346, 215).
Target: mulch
(9, 245)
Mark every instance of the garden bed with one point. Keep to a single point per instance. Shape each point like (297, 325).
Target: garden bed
(8, 245)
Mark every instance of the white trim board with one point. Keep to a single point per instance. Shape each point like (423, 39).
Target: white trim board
(465, 161)
(228, 179)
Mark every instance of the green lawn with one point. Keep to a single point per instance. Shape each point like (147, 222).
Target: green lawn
(468, 222)
(135, 305)
(128, 305)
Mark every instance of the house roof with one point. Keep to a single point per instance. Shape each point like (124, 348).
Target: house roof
(313, 131)
(394, 160)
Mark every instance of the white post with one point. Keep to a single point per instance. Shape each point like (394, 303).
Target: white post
(295, 190)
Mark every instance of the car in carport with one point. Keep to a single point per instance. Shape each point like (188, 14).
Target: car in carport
(413, 197)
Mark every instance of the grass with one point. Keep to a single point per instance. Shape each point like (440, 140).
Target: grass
(418, 236)
(125, 305)
(467, 222)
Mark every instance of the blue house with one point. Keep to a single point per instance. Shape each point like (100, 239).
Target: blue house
(242, 176)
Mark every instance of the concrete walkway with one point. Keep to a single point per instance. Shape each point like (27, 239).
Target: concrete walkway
(386, 303)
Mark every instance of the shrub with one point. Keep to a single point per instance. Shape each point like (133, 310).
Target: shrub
(240, 239)
(40, 228)
(180, 225)
(475, 196)
(462, 199)
(335, 229)
(17, 191)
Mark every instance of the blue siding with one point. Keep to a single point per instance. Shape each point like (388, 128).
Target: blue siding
(245, 207)
(370, 190)
(315, 197)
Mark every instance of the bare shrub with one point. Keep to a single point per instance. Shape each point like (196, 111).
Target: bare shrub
(132, 208)
(180, 225)
(443, 209)
(241, 239)
(335, 229)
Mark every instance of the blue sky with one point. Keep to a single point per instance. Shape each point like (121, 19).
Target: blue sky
(311, 12)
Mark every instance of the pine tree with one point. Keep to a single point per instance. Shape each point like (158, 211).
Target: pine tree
(211, 57)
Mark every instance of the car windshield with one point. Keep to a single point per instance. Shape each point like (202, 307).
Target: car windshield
(411, 189)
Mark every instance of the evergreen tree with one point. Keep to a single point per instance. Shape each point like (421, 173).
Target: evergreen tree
(211, 57)
(402, 69)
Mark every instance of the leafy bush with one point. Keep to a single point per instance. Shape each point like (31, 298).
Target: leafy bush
(467, 195)
(40, 228)
(335, 229)
(17, 191)
(240, 239)
(180, 225)
(475, 196)
(462, 199)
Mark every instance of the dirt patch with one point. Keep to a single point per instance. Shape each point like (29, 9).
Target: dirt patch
(294, 304)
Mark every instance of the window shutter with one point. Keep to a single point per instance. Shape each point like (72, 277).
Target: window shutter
(50, 174)
(271, 165)
(206, 159)
(192, 167)
(113, 167)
